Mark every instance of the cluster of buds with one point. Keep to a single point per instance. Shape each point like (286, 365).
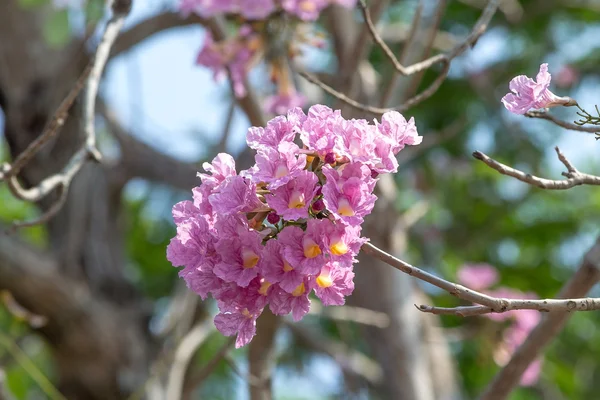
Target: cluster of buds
(289, 225)
(268, 30)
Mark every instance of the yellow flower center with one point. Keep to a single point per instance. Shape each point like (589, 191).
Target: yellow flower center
(287, 267)
(311, 249)
(281, 171)
(264, 287)
(324, 280)
(299, 291)
(338, 248)
(250, 258)
(344, 208)
(246, 313)
(308, 6)
(296, 200)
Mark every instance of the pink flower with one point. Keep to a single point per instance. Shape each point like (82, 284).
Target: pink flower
(477, 276)
(257, 294)
(320, 130)
(192, 245)
(347, 171)
(184, 210)
(256, 9)
(397, 131)
(350, 203)
(528, 94)
(292, 200)
(301, 232)
(193, 248)
(234, 195)
(281, 103)
(276, 269)
(234, 54)
(278, 130)
(333, 284)
(356, 141)
(276, 167)
(306, 10)
(304, 250)
(240, 257)
(343, 243)
(532, 373)
(206, 8)
(202, 281)
(296, 302)
(221, 168)
(240, 322)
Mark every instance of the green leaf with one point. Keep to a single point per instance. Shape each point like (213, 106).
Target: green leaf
(32, 3)
(57, 29)
(94, 10)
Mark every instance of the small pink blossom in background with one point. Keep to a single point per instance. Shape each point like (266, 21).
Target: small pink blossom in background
(237, 55)
(280, 103)
(289, 225)
(567, 76)
(482, 277)
(529, 94)
(478, 276)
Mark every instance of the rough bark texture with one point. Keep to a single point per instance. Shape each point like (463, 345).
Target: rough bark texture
(87, 297)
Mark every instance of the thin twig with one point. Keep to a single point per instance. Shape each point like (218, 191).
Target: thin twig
(454, 289)
(574, 177)
(563, 124)
(445, 59)
(485, 304)
(61, 181)
(62, 191)
(49, 132)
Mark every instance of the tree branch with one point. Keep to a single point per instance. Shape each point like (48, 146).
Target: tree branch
(486, 304)
(507, 379)
(445, 59)
(563, 124)
(574, 177)
(139, 160)
(261, 356)
(156, 24)
(183, 355)
(62, 180)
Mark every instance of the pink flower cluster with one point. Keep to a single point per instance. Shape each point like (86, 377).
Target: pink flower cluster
(306, 10)
(529, 94)
(481, 277)
(289, 225)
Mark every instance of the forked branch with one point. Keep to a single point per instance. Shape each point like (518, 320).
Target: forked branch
(445, 59)
(90, 79)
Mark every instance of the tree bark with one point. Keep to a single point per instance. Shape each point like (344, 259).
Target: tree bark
(101, 345)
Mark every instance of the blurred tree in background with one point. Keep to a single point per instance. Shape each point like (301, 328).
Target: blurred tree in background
(92, 308)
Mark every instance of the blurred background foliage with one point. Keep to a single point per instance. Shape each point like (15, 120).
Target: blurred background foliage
(534, 238)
